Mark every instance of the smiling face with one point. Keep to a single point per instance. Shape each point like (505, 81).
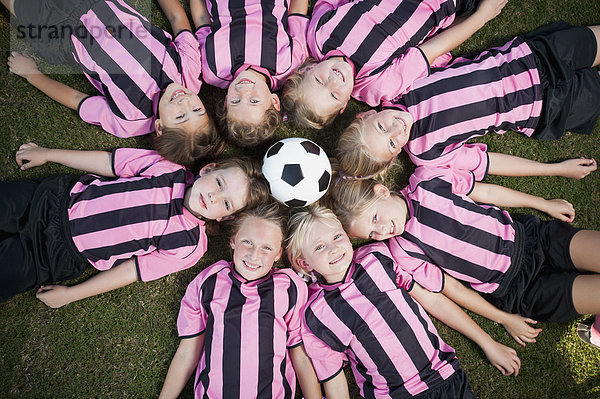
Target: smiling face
(256, 246)
(327, 250)
(217, 194)
(249, 96)
(382, 220)
(180, 108)
(328, 85)
(386, 132)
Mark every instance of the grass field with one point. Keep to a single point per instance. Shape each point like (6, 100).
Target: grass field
(119, 344)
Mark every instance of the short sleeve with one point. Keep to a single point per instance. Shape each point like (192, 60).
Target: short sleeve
(326, 361)
(192, 317)
(462, 181)
(471, 157)
(201, 34)
(393, 80)
(294, 317)
(297, 29)
(322, 6)
(191, 60)
(97, 111)
(129, 162)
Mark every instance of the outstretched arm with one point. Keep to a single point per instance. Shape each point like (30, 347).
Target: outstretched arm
(460, 31)
(182, 366)
(442, 308)
(200, 14)
(99, 162)
(298, 7)
(516, 325)
(175, 13)
(507, 197)
(510, 165)
(305, 372)
(119, 276)
(25, 67)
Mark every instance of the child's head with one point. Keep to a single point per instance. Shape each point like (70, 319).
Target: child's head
(318, 92)
(184, 129)
(371, 143)
(250, 111)
(227, 187)
(257, 239)
(318, 243)
(368, 209)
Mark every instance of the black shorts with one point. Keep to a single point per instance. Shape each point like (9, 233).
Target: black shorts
(35, 244)
(571, 87)
(48, 25)
(542, 285)
(455, 387)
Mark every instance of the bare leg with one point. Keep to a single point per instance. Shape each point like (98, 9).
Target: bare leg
(584, 250)
(585, 294)
(596, 30)
(10, 5)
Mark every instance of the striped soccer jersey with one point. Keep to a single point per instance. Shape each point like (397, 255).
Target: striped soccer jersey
(248, 327)
(251, 33)
(379, 39)
(139, 214)
(370, 320)
(498, 90)
(130, 61)
(447, 230)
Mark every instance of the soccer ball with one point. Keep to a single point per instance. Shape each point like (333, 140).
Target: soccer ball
(298, 171)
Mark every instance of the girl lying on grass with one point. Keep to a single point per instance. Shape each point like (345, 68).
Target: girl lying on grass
(148, 81)
(138, 217)
(239, 322)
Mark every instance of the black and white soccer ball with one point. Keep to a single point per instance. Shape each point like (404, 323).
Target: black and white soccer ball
(298, 171)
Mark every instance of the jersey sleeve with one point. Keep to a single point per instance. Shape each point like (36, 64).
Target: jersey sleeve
(462, 180)
(471, 157)
(326, 361)
(192, 317)
(159, 263)
(393, 80)
(129, 162)
(97, 111)
(322, 6)
(297, 29)
(293, 318)
(410, 260)
(191, 60)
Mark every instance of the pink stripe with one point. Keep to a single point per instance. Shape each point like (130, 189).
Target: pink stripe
(215, 385)
(249, 347)
(279, 337)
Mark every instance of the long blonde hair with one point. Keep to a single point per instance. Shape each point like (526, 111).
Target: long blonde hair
(351, 197)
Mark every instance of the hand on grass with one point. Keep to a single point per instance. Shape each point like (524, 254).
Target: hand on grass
(489, 9)
(518, 327)
(503, 358)
(30, 155)
(577, 168)
(560, 209)
(22, 65)
(53, 296)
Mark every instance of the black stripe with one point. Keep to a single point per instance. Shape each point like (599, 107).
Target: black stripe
(209, 45)
(208, 293)
(268, 56)
(237, 34)
(232, 335)
(266, 352)
(161, 242)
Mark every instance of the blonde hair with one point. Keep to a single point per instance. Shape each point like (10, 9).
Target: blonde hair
(186, 148)
(352, 153)
(271, 211)
(351, 197)
(297, 108)
(249, 135)
(299, 227)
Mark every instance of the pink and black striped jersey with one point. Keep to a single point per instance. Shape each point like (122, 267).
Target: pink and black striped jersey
(498, 90)
(248, 326)
(370, 320)
(446, 230)
(130, 61)
(251, 33)
(139, 214)
(379, 39)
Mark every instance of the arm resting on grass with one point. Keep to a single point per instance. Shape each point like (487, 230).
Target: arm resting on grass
(305, 373)
(516, 325)
(507, 197)
(99, 162)
(119, 276)
(25, 67)
(175, 13)
(509, 165)
(182, 366)
(442, 308)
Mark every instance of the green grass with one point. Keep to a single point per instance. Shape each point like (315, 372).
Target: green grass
(120, 344)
